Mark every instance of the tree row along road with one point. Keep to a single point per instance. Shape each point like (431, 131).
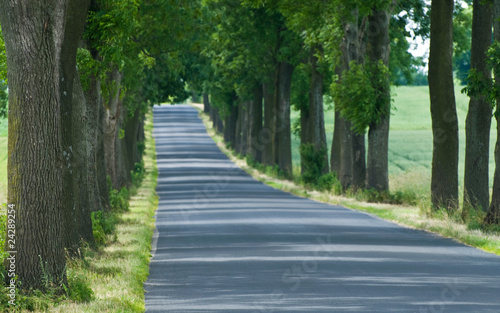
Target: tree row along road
(225, 242)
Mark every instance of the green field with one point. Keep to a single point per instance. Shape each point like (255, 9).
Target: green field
(410, 137)
(3, 159)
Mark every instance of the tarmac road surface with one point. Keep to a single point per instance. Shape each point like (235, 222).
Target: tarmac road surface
(225, 242)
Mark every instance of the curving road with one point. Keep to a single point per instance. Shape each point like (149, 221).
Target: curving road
(227, 243)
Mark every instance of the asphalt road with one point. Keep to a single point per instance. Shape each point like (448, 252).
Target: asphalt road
(227, 243)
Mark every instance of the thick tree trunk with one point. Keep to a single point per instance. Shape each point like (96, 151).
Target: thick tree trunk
(73, 110)
(444, 181)
(131, 136)
(245, 109)
(283, 143)
(79, 222)
(254, 144)
(41, 38)
(478, 122)
(316, 131)
(336, 144)
(346, 154)
(239, 123)
(353, 170)
(378, 136)
(493, 216)
(102, 177)
(304, 133)
(93, 100)
(267, 133)
(230, 125)
(206, 103)
(359, 160)
(112, 126)
(123, 162)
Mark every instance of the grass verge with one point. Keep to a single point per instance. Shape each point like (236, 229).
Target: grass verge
(404, 215)
(112, 278)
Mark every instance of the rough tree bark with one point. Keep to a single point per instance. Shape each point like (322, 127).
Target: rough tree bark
(230, 125)
(335, 153)
(282, 136)
(78, 222)
(444, 181)
(245, 110)
(101, 157)
(266, 136)
(122, 161)
(337, 135)
(316, 124)
(493, 216)
(93, 100)
(239, 127)
(359, 160)
(346, 154)
(113, 111)
(206, 103)
(217, 123)
(255, 147)
(378, 49)
(478, 122)
(132, 127)
(353, 170)
(41, 38)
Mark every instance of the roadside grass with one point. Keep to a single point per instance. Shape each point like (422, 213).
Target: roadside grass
(414, 184)
(111, 278)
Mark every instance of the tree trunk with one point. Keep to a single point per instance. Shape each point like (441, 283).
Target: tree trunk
(131, 135)
(304, 133)
(346, 154)
(73, 110)
(353, 170)
(336, 144)
(316, 130)
(206, 103)
(112, 126)
(230, 126)
(102, 177)
(239, 123)
(93, 100)
(255, 124)
(41, 38)
(79, 222)
(359, 160)
(493, 216)
(217, 123)
(283, 143)
(378, 136)
(122, 162)
(267, 133)
(245, 109)
(478, 122)
(444, 181)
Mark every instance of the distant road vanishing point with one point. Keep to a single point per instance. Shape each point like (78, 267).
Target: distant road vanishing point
(225, 242)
